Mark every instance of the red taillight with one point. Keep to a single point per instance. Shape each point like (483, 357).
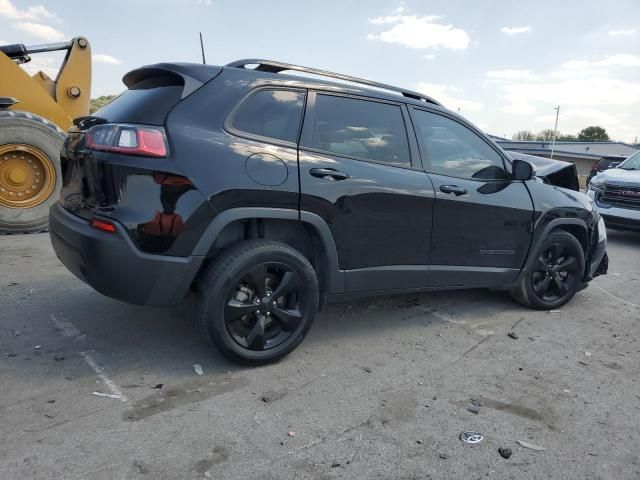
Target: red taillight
(128, 139)
(103, 225)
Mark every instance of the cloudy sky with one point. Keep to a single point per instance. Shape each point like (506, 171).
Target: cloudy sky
(504, 63)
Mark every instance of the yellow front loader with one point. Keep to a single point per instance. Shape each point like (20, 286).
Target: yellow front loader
(35, 113)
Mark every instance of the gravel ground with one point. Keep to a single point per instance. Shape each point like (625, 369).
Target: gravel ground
(379, 389)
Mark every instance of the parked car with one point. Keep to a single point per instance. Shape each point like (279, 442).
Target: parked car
(271, 193)
(616, 193)
(603, 164)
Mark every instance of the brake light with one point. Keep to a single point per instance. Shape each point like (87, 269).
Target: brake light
(104, 225)
(128, 139)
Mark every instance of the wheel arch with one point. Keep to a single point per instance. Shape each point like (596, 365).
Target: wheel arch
(575, 226)
(304, 231)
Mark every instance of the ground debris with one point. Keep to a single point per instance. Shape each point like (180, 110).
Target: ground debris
(504, 452)
(471, 437)
(443, 456)
(513, 335)
(366, 369)
(473, 408)
(58, 358)
(158, 386)
(530, 446)
(271, 396)
(587, 353)
(141, 466)
(107, 395)
(291, 434)
(198, 369)
(335, 464)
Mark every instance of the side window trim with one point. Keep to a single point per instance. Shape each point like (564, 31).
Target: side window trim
(426, 163)
(310, 118)
(228, 121)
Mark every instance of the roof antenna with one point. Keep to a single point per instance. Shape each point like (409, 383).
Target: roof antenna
(204, 62)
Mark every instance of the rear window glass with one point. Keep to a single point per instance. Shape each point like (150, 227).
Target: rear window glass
(271, 113)
(146, 102)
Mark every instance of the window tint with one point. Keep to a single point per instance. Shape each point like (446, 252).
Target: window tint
(455, 150)
(359, 128)
(271, 113)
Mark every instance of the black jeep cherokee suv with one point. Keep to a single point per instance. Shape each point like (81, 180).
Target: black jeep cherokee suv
(270, 193)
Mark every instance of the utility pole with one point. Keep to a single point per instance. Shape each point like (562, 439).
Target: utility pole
(202, 49)
(555, 129)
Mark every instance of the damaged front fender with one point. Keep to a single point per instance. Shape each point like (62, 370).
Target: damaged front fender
(555, 172)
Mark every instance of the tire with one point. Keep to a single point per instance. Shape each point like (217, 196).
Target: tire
(229, 316)
(554, 273)
(39, 134)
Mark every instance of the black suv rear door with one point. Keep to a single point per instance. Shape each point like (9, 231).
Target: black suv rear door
(481, 219)
(360, 172)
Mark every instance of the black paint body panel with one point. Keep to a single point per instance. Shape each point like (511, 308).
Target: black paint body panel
(383, 228)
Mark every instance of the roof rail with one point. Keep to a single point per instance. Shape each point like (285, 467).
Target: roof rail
(277, 67)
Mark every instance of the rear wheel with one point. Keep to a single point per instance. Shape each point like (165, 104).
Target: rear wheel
(257, 301)
(30, 177)
(554, 275)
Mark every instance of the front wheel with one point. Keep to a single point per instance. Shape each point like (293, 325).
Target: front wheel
(554, 275)
(257, 301)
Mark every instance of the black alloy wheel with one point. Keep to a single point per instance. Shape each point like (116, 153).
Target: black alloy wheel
(265, 307)
(257, 301)
(555, 272)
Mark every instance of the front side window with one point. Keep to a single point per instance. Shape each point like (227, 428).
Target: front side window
(271, 113)
(361, 128)
(455, 150)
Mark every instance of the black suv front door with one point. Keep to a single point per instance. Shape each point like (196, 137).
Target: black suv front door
(481, 219)
(360, 172)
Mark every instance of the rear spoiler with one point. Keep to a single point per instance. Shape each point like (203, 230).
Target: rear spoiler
(191, 76)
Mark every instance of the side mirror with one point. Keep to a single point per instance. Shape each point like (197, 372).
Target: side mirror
(523, 170)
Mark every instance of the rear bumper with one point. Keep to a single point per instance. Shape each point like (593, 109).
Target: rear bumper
(111, 264)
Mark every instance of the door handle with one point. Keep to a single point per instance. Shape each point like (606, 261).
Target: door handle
(328, 172)
(456, 190)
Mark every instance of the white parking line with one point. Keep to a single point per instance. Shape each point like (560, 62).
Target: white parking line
(65, 327)
(617, 298)
(115, 390)
(68, 329)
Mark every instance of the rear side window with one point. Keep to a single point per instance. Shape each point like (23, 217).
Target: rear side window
(455, 150)
(271, 113)
(360, 128)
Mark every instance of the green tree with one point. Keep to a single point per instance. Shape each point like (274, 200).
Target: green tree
(593, 134)
(101, 101)
(523, 135)
(546, 135)
(566, 138)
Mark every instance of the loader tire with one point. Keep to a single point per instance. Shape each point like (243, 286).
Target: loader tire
(30, 175)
